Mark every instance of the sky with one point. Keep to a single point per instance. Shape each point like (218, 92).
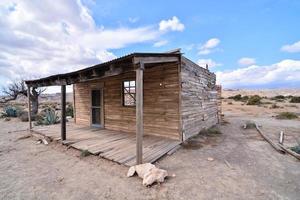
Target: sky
(248, 44)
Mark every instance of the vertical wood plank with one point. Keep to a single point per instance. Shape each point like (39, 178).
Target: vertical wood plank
(63, 112)
(139, 114)
(29, 108)
(74, 108)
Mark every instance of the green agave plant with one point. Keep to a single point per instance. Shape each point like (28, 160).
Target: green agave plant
(10, 111)
(51, 117)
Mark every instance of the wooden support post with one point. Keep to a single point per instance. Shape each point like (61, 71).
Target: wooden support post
(139, 114)
(63, 112)
(29, 108)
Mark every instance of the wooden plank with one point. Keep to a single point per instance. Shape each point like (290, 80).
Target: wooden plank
(139, 114)
(63, 112)
(161, 93)
(153, 158)
(149, 59)
(132, 157)
(148, 151)
(29, 108)
(112, 145)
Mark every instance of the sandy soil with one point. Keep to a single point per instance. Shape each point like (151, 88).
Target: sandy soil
(262, 92)
(244, 165)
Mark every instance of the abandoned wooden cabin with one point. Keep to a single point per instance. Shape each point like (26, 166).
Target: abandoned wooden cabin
(137, 97)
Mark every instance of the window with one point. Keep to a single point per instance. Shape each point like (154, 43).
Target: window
(128, 93)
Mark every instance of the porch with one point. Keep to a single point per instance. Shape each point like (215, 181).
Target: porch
(136, 63)
(116, 146)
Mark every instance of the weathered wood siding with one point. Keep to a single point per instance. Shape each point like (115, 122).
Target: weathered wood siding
(199, 106)
(161, 102)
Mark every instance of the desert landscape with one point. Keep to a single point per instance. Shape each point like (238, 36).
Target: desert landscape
(228, 162)
(137, 100)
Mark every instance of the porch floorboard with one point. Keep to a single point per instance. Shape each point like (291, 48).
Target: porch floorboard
(116, 146)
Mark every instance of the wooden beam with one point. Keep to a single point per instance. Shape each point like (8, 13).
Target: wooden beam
(63, 112)
(139, 114)
(74, 104)
(29, 108)
(161, 59)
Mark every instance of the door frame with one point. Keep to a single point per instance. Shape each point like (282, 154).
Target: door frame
(101, 125)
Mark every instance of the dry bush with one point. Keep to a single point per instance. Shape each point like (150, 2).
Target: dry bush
(295, 100)
(254, 100)
(274, 106)
(249, 125)
(286, 115)
(214, 130)
(84, 153)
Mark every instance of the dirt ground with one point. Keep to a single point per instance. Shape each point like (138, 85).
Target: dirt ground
(244, 166)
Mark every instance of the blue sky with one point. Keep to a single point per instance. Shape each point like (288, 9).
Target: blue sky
(249, 44)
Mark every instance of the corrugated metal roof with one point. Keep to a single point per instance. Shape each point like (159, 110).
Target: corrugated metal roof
(116, 60)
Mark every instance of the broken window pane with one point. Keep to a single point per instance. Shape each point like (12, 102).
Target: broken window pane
(128, 93)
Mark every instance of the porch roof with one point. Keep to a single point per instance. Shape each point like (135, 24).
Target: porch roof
(111, 68)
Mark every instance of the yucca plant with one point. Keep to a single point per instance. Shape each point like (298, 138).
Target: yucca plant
(51, 117)
(47, 117)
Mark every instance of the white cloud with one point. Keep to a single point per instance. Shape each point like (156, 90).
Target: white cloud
(160, 43)
(284, 72)
(133, 19)
(40, 38)
(246, 61)
(291, 48)
(209, 62)
(171, 25)
(209, 46)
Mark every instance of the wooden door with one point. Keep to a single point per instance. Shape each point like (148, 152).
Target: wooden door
(97, 108)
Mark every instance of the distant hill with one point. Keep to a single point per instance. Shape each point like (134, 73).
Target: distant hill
(261, 92)
(55, 97)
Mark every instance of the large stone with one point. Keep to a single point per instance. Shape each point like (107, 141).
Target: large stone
(149, 173)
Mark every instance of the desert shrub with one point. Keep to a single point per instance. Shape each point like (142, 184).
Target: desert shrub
(237, 97)
(245, 98)
(254, 100)
(249, 125)
(24, 116)
(266, 102)
(279, 97)
(69, 110)
(53, 105)
(296, 149)
(295, 100)
(292, 106)
(274, 106)
(214, 130)
(84, 153)
(279, 100)
(229, 103)
(47, 117)
(12, 111)
(286, 115)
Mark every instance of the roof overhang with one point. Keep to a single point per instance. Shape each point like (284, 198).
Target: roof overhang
(111, 68)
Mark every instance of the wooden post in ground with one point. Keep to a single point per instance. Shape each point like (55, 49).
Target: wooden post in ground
(63, 112)
(139, 114)
(29, 108)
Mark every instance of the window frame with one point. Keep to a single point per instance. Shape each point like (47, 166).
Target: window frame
(123, 93)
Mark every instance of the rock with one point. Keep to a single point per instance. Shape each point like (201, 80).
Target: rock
(149, 173)
(210, 159)
(154, 175)
(7, 119)
(141, 170)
